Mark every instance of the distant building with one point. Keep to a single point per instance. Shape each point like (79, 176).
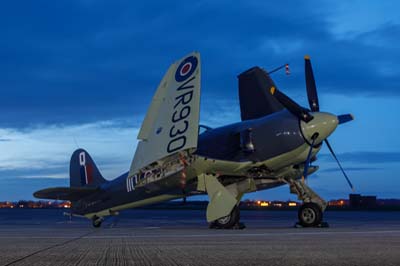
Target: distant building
(359, 201)
(338, 203)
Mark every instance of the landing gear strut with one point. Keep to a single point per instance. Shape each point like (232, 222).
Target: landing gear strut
(96, 221)
(311, 212)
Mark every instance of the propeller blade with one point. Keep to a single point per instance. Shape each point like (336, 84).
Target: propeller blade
(340, 166)
(308, 161)
(291, 105)
(345, 118)
(310, 85)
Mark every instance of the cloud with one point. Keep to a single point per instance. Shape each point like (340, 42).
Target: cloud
(103, 65)
(346, 23)
(219, 112)
(350, 169)
(365, 157)
(45, 151)
(39, 157)
(22, 188)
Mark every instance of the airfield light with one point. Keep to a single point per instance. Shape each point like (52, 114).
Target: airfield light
(292, 204)
(264, 204)
(258, 202)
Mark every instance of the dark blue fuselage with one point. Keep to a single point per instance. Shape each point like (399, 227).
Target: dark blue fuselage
(271, 136)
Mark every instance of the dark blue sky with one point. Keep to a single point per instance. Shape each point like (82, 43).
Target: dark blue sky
(83, 73)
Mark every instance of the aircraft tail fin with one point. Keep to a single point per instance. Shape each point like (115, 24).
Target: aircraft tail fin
(85, 179)
(83, 172)
(255, 99)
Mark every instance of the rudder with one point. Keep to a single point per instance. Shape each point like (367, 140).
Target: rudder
(83, 171)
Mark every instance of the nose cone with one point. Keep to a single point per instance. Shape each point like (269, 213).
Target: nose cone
(323, 124)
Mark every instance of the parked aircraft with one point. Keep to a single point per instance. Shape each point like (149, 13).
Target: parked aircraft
(273, 145)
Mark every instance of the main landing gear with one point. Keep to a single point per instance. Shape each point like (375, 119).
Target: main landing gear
(310, 213)
(231, 221)
(222, 209)
(96, 221)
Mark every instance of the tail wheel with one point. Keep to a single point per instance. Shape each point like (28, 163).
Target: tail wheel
(310, 214)
(230, 220)
(96, 222)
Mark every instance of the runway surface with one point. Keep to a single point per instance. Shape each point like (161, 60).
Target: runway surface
(170, 237)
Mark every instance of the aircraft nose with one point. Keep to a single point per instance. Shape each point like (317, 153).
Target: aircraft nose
(323, 124)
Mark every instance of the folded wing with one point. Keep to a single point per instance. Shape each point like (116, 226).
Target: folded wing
(172, 121)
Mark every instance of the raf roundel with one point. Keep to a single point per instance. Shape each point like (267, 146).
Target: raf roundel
(186, 68)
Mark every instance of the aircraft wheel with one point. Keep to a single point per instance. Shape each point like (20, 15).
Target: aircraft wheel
(230, 220)
(96, 222)
(310, 214)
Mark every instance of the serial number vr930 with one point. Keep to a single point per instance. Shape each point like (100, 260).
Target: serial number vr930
(182, 109)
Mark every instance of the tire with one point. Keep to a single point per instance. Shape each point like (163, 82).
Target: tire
(230, 220)
(310, 214)
(96, 222)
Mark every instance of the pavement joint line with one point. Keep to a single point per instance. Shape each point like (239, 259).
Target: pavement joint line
(242, 234)
(87, 236)
(48, 248)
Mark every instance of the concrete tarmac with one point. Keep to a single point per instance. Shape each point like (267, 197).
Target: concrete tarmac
(171, 237)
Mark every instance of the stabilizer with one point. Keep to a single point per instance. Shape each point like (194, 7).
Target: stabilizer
(65, 193)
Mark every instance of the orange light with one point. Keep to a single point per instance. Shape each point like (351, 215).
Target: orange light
(258, 202)
(292, 204)
(264, 204)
